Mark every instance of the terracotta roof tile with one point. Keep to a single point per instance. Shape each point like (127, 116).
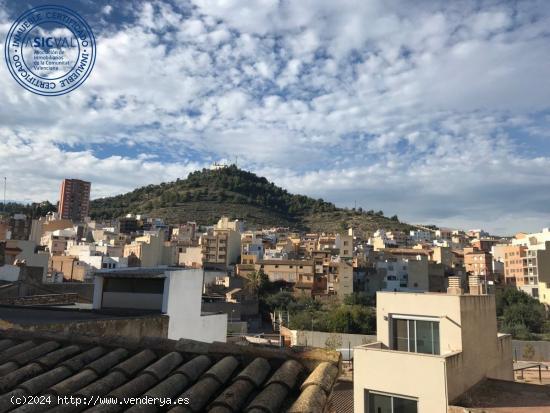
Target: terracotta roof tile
(217, 377)
(323, 376)
(135, 363)
(18, 348)
(55, 357)
(161, 368)
(106, 362)
(73, 383)
(195, 367)
(209, 384)
(38, 384)
(269, 400)
(287, 374)
(9, 381)
(277, 388)
(6, 343)
(103, 385)
(233, 399)
(35, 352)
(174, 385)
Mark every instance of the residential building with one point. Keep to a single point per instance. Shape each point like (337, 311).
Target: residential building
(185, 234)
(68, 267)
(221, 247)
(128, 224)
(56, 242)
(421, 235)
(536, 268)
(224, 223)
(74, 199)
(429, 351)
(340, 278)
(403, 271)
(27, 252)
(513, 265)
(46, 224)
(19, 227)
(4, 229)
(298, 272)
(344, 244)
(191, 257)
(536, 238)
(478, 262)
(151, 250)
(484, 244)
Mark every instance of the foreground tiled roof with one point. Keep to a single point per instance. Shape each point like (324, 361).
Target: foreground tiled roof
(217, 378)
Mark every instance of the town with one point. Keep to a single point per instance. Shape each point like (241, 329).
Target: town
(357, 311)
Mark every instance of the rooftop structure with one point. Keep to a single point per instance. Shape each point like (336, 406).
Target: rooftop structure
(432, 348)
(175, 292)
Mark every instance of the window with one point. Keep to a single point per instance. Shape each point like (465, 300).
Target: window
(386, 403)
(415, 335)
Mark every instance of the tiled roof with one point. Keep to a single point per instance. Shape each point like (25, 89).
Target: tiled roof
(217, 377)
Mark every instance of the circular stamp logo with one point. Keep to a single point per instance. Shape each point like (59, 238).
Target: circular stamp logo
(50, 50)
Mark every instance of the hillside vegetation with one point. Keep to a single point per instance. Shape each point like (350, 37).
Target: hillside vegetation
(206, 195)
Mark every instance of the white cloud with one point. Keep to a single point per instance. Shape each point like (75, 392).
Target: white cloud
(438, 114)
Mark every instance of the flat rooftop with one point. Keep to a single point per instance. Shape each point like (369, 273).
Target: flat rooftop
(500, 396)
(48, 315)
(139, 272)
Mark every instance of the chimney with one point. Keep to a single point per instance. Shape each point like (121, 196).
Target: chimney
(474, 284)
(454, 286)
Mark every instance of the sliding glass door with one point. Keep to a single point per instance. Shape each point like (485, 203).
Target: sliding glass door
(386, 403)
(415, 335)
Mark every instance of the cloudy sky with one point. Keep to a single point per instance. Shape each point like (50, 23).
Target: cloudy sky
(436, 111)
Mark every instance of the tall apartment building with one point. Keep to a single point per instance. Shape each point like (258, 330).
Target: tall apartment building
(513, 265)
(428, 352)
(220, 247)
(536, 267)
(74, 199)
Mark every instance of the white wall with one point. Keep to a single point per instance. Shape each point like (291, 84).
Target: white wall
(9, 273)
(184, 309)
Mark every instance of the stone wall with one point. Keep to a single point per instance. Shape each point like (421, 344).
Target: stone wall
(531, 350)
(131, 327)
(43, 299)
(325, 340)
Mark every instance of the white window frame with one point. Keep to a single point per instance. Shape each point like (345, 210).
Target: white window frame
(415, 318)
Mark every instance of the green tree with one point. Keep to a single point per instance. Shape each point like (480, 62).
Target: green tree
(359, 298)
(280, 301)
(257, 282)
(530, 315)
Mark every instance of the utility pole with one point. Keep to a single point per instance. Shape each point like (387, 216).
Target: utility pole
(4, 205)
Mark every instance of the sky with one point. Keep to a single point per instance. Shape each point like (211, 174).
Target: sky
(438, 112)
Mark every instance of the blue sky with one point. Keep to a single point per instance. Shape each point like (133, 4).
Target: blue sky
(435, 111)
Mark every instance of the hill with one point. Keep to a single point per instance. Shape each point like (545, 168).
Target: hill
(206, 195)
